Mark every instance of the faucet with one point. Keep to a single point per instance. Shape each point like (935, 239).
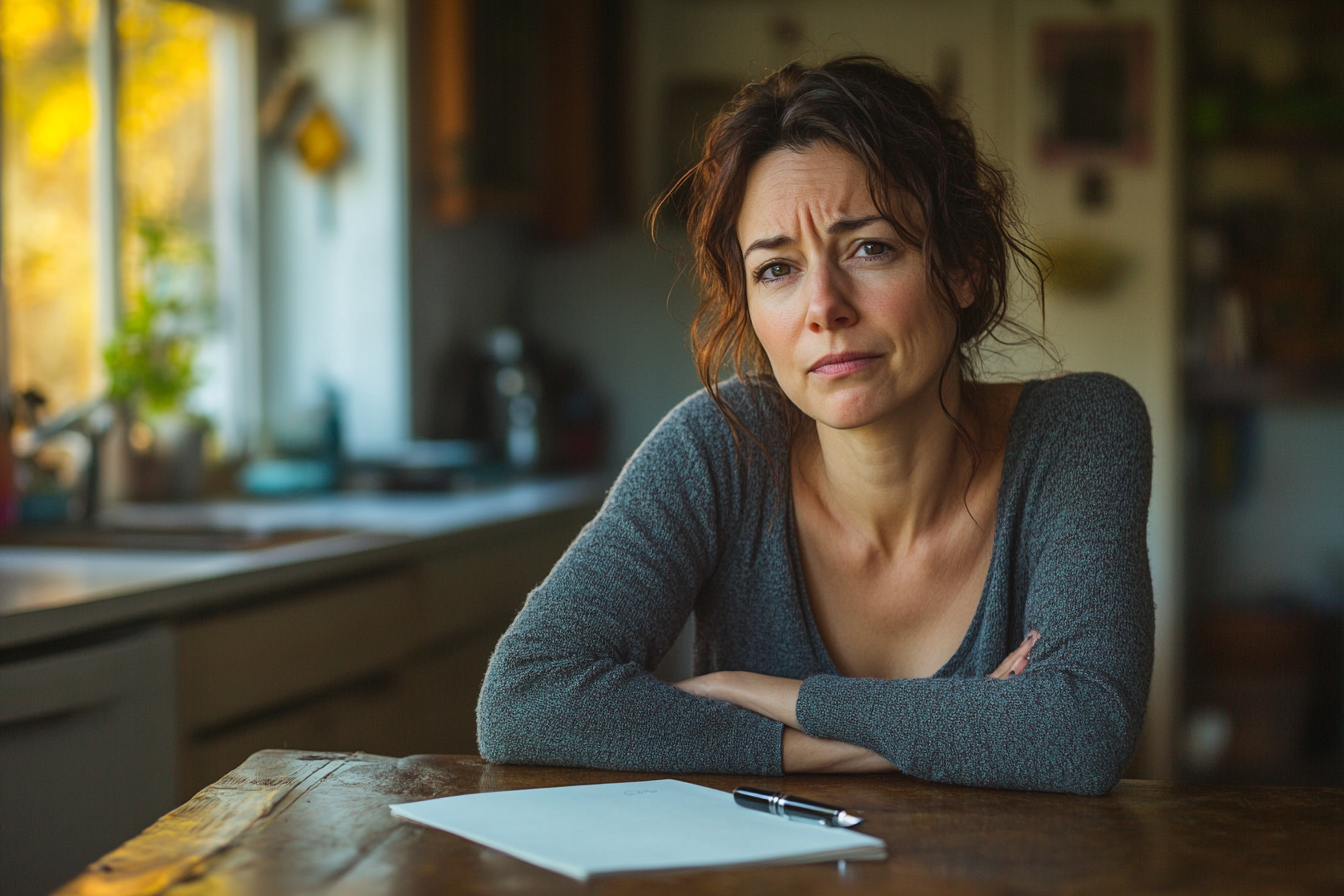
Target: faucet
(90, 419)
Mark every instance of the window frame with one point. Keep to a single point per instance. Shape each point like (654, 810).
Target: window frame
(236, 405)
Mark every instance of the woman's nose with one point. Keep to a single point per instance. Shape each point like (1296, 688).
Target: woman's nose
(828, 306)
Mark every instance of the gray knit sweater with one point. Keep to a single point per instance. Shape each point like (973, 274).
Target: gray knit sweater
(692, 525)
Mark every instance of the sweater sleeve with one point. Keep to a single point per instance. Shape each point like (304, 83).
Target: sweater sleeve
(570, 683)
(1071, 721)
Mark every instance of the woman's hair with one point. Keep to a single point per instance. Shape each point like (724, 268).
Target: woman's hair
(955, 206)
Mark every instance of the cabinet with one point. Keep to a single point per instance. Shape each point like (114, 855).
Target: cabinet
(86, 754)
(389, 663)
(520, 111)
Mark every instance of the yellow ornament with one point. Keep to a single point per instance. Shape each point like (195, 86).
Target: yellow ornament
(319, 140)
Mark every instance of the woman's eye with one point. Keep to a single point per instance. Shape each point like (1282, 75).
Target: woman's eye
(872, 248)
(775, 271)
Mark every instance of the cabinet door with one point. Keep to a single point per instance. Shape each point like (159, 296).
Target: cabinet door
(239, 664)
(466, 600)
(439, 693)
(314, 671)
(364, 716)
(87, 747)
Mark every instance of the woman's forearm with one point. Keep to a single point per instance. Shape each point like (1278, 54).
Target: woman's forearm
(775, 698)
(806, 754)
(765, 695)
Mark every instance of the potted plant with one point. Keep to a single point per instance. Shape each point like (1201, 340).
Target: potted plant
(152, 370)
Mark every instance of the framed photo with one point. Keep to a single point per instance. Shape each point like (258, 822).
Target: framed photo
(1095, 91)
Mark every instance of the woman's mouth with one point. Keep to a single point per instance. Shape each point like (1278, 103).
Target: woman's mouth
(842, 363)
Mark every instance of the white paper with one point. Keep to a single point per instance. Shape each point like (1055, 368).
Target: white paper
(642, 826)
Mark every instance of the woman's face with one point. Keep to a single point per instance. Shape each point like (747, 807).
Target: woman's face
(840, 304)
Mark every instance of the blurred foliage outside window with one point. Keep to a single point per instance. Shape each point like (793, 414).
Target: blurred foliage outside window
(47, 197)
(163, 130)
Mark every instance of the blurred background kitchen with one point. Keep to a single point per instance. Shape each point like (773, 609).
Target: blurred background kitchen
(266, 254)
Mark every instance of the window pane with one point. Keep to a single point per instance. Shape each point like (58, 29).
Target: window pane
(47, 196)
(164, 145)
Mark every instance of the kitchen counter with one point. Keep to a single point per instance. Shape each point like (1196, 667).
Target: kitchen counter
(48, 594)
(129, 679)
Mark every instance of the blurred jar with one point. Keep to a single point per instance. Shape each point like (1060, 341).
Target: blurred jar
(513, 400)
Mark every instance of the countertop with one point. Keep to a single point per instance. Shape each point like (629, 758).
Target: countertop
(54, 593)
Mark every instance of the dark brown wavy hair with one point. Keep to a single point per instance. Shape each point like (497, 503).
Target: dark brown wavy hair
(960, 210)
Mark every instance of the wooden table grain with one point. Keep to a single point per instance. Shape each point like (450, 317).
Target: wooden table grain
(318, 823)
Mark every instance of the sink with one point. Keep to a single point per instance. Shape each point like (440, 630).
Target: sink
(166, 539)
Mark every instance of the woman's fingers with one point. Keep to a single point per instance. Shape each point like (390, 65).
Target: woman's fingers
(701, 686)
(1015, 663)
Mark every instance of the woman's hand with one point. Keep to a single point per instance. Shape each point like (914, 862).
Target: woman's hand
(1015, 663)
(804, 754)
(777, 698)
(766, 695)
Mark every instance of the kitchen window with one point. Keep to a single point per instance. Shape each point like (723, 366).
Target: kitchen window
(128, 174)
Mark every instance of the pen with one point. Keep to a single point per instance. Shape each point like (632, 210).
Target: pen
(794, 808)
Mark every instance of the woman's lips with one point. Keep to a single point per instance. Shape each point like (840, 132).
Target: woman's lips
(843, 363)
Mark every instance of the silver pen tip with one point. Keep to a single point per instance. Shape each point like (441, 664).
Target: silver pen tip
(845, 820)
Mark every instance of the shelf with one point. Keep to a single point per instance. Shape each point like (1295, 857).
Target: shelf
(1286, 143)
(1252, 386)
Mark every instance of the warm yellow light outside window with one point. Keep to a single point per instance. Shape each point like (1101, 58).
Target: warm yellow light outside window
(47, 197)
(164, 139)
(163, 148)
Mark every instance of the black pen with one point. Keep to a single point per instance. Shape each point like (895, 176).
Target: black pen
(794, 808)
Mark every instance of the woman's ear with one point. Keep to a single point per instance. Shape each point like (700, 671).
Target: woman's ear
(965, 287)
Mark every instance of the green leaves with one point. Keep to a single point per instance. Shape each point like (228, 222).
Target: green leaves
(151, 358)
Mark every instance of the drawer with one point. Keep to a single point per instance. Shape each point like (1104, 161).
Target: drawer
(234, 665)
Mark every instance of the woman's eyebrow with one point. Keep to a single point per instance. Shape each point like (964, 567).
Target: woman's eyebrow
(769, 242)
(842, 226)
(848, 224)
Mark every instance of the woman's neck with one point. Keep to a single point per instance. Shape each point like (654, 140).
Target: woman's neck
(898, 477)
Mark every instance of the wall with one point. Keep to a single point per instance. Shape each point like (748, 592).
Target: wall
(334, 248)
(615, 302)
(465, 280)
(741, 40)
(619, 304)
(1133, 331)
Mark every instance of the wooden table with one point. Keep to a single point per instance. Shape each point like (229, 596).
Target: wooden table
(293, 822)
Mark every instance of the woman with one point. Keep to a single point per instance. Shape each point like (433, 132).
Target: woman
(890, 564)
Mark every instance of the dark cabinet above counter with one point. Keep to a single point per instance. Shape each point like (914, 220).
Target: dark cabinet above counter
(519, 112)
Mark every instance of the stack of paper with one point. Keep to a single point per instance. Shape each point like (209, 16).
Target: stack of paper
(605, 828)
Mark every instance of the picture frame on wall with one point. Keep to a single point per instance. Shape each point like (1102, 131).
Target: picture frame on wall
(1094, 93)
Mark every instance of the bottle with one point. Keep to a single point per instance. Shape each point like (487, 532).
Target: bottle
(513, 399)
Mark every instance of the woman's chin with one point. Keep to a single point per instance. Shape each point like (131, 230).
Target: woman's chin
(849, 415)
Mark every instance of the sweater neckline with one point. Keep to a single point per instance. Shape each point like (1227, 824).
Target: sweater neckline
(996, 558)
